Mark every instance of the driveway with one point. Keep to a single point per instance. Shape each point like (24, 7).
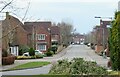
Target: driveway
(71, 52)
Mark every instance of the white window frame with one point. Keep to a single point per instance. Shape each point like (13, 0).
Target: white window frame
(41, 36)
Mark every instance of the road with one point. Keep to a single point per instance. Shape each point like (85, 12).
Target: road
(84, 52)
(71, 52)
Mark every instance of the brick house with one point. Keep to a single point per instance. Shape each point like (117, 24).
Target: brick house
(98, 40)
(39, 34)
(105, 25)
(13, 34)
(102, 34)
(55, 34)
(78, 39)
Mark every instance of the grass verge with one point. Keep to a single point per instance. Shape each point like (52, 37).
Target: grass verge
(29, 65)
(114, 73)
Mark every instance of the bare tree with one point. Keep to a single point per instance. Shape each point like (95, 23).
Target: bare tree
(7, 4)
(65, 31)
(9, 30)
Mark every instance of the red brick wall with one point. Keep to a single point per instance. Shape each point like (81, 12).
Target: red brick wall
(41, 30)
(21, 36)
(55, 37)
(19, 33)
(98, 48)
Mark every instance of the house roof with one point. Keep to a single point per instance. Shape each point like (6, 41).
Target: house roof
(28, 28)
(13, 21)
(55, 30)
(45, 24)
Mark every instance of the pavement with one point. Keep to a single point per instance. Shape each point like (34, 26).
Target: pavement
(35, 71)
(70, 52)
(99, 59)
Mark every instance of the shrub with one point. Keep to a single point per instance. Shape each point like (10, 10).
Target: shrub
(62, 67)
(23, 49)
(77, 66)
(54, 48)
(54, 43)
(33, 57)
(39, 56)
(114, 42)
(31, 52)
(23, 57)
(8, 60)
(49, 53)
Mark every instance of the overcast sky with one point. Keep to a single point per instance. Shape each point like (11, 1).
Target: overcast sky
(80, 13)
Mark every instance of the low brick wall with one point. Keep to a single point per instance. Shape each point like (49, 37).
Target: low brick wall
(8, 60)
(98, 48)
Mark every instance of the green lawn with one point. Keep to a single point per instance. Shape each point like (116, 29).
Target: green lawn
(43, 76)
(30, 65)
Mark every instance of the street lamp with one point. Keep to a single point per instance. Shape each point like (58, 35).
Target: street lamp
(103, 17)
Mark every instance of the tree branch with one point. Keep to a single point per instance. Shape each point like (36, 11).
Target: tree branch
(6, 6)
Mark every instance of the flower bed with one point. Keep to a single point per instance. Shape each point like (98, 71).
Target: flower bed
(29, 57)
(8, 60)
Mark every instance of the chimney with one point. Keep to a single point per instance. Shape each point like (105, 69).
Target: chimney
(7, 15)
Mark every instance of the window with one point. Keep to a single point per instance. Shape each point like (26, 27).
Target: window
(42, 47)
(41, 36)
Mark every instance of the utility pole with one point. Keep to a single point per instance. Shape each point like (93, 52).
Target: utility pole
(34, 37)
(0, 43)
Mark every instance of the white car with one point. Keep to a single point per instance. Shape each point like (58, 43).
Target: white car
(26, 54)
(38, 52)
(89, 44)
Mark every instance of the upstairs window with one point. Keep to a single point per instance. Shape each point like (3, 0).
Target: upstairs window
(41, 36)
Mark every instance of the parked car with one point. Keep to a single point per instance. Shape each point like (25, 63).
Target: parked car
(39, 54)
(26, 54)
(89, 44)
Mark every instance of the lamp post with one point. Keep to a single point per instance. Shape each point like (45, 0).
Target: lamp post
(103, 17)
